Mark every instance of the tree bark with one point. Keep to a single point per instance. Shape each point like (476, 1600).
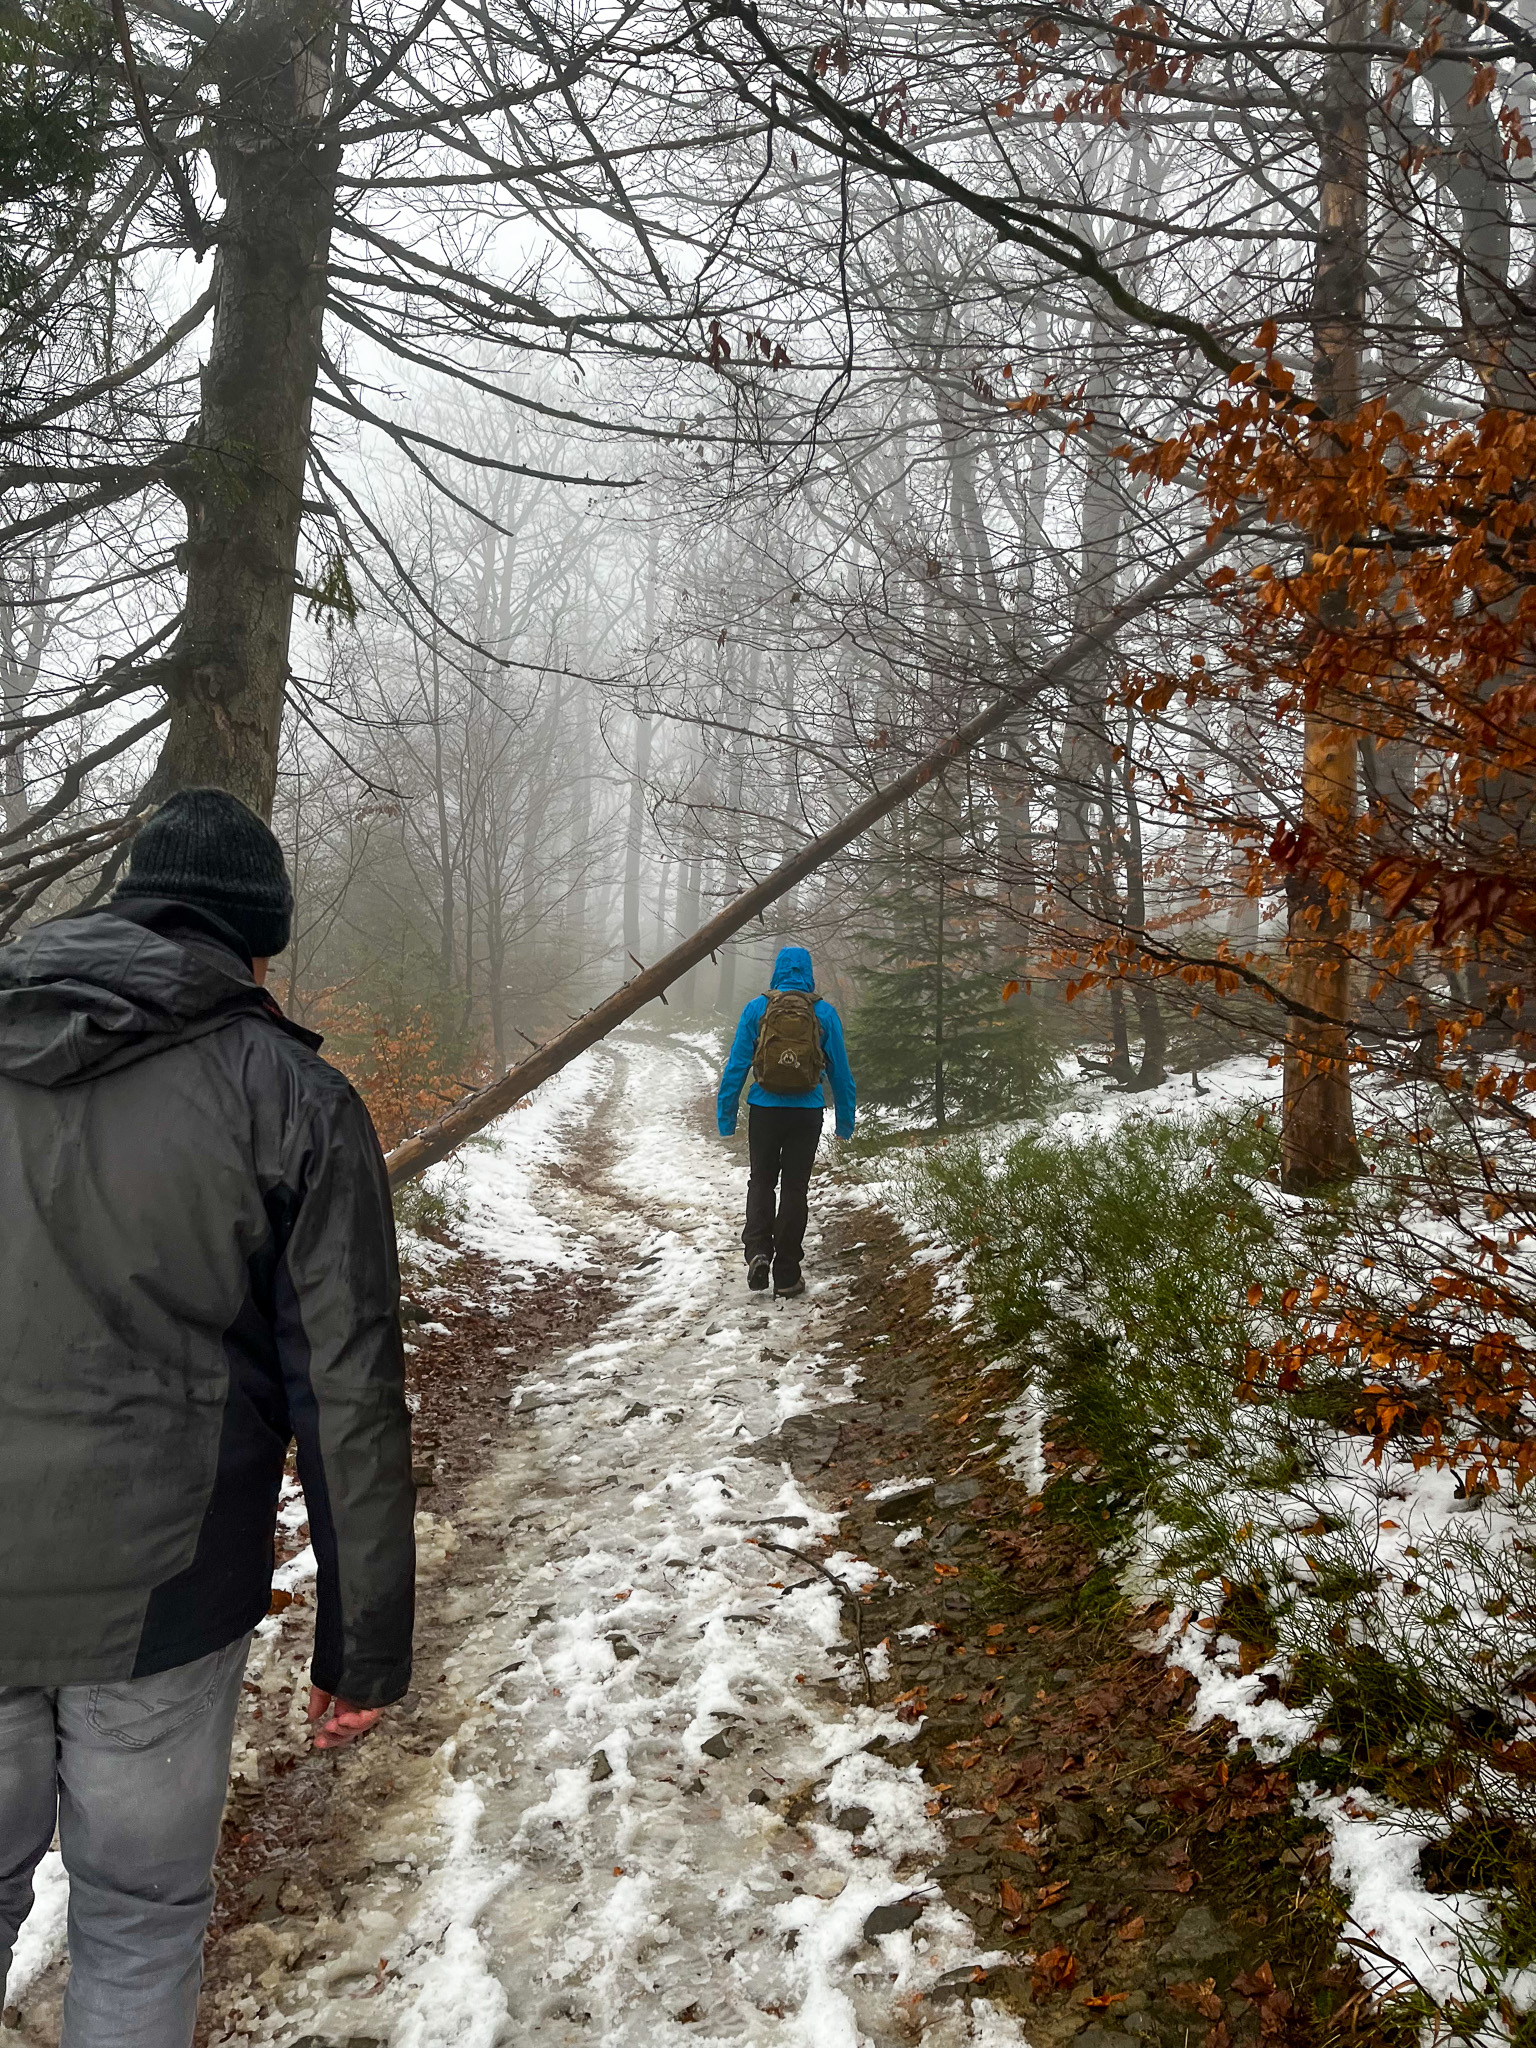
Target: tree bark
(242, 480)
(1084, 803)
(1149, 1011)
(27, 625)
(1318, 1144)
(641, 763)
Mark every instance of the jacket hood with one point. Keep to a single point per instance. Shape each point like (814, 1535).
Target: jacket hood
(793, 969)
(84, 995)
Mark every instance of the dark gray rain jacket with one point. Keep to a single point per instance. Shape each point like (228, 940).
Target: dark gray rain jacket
(197, 1264)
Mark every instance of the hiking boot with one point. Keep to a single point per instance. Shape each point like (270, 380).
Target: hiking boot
(757, 1274)
(794, 1284)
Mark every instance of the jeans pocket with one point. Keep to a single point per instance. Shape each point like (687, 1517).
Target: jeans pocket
(137, 1713)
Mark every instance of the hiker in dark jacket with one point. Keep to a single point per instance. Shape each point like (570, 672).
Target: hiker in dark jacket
(197, 1264)
(790, 1040)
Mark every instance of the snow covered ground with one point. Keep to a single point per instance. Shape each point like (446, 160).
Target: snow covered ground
(597, 1854)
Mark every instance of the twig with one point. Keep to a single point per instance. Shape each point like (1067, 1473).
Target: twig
(641, 965)
(50, 847)
(22, 890)
(192, 221)
(846, 1594)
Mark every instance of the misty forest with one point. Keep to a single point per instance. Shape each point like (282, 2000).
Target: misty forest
(1036, 503)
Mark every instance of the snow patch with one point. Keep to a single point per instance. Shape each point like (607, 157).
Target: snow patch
(41, 1940)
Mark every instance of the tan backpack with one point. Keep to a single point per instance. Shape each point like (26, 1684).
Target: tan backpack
(788, 1059)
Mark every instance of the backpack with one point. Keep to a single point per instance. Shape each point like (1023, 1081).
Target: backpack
(788, 1058)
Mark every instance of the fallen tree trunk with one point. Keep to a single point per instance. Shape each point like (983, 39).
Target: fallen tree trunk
(425, 1148)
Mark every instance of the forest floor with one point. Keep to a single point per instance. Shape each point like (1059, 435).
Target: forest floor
(759, 1699)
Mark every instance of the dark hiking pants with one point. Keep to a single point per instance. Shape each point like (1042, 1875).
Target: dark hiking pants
(782, 1144)
(134, 1775)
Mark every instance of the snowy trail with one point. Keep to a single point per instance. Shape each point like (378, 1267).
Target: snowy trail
(597, 1854)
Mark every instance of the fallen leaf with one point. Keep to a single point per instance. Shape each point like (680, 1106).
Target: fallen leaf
(1202, 1997)
(1107, 1998)
(1133, 1930)
(1056, 1970)
(1053, 1894)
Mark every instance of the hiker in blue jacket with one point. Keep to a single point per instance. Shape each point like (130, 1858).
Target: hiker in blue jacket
(790, 1040)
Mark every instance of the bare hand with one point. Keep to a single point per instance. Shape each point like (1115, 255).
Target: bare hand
(340, 1721)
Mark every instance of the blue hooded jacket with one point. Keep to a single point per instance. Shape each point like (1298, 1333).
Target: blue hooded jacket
(792, 969)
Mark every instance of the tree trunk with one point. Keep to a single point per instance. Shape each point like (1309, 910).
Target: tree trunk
(726, 999)
(641, 765)
(1318, 1144)
(27, 624)
(242, 481)
(447, 949)
(635, 830)
(938, 1002)
(663, 928)
(1083, 884)
(689, 885)
(1149, 1011)
(495, 938)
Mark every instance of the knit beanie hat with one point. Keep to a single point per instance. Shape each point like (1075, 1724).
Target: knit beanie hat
(204, 846)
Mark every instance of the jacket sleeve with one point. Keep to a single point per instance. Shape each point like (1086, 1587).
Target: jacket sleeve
(737, 1067)
(338, 1337)
(839, 1073)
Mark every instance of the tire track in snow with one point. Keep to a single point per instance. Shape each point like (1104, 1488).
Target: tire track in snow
(598, 1855)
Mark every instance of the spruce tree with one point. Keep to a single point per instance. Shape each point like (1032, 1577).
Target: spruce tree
(932, 1035)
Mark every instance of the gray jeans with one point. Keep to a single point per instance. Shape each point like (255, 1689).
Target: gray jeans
(134, 1774)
